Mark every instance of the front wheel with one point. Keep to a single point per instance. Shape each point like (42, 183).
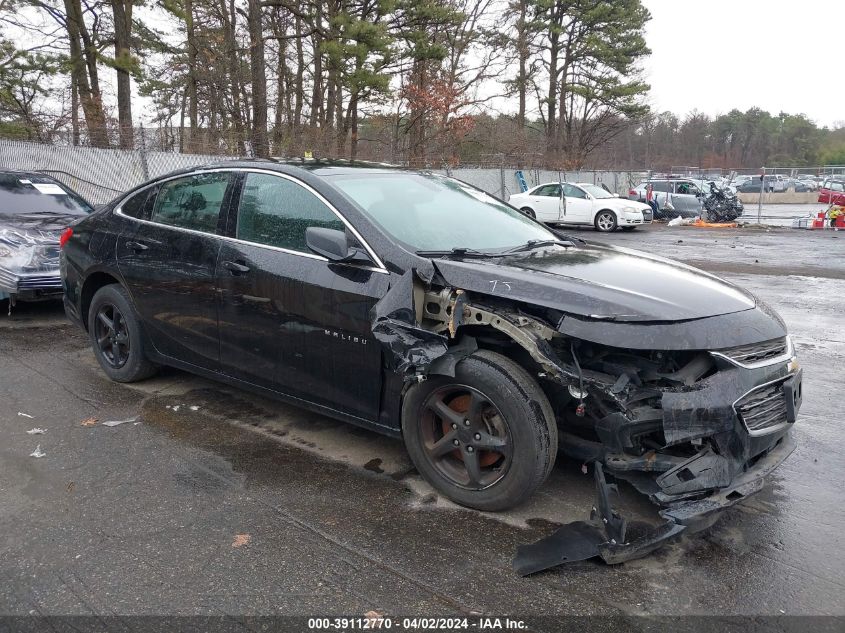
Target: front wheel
(606, 221)
(487, 438)
(117, 336)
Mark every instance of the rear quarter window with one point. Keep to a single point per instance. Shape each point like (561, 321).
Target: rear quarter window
(193, 202)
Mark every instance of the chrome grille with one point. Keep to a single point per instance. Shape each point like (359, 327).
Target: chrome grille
(756, 352)
(763, 408)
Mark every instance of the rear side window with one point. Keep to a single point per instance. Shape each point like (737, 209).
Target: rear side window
(552, 191)
(661, 186)
(193, 202)
(276, 211)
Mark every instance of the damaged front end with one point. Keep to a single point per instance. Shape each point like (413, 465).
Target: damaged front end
(694, 429)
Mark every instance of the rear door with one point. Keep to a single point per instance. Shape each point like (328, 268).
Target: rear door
(547, 203)
(290, 320)
(168, 257)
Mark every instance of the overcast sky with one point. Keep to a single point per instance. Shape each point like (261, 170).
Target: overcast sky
(715, 55)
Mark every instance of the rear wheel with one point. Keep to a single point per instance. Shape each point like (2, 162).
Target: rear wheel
(606, 221)
(486, 438)
(529, 212)
(117, 336)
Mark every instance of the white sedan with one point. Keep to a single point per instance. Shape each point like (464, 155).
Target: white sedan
(581, 203)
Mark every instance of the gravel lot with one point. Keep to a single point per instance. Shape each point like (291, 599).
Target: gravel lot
(212, 501)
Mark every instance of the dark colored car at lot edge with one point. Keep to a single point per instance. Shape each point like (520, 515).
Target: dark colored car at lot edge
(34, 209)
(420, 307)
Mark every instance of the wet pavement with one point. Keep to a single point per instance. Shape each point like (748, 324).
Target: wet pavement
(213, 501)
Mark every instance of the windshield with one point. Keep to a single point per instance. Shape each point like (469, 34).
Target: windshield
(22, 194)
(596, 191)
(434, 213)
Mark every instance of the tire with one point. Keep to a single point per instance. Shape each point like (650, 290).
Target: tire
(120, 348)
(529, 212)
(606, 221)
(512, 414)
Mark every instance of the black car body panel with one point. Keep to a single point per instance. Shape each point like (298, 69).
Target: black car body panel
(668, 376)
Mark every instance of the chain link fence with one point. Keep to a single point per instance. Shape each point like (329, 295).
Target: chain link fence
(99, 175)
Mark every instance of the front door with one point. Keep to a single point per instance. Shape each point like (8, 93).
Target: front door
(167, 255)
(579, 206)
(290, 320)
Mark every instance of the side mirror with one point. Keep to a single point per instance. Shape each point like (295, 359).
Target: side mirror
(333, 245)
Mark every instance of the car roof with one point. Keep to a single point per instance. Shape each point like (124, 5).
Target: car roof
(318, 166)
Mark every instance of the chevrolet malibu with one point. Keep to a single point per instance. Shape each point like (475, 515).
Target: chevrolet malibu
(420, 307)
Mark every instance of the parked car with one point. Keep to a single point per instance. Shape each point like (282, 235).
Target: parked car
(809, 180)
(674, 197)
(417, 306)
(773, 183)
(581, 203)
(34, 209)
(797, 185)
(740, 180)
(832, 191)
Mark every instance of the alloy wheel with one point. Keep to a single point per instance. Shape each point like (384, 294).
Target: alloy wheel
(465, 437)
(605, 222)
(112, 335)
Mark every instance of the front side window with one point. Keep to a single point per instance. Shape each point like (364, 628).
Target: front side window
(571, 191)
(426, 212)
(276, 211)
(193, 202)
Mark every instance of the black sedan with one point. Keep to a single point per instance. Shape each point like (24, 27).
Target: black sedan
(421, 307)
(34, 209)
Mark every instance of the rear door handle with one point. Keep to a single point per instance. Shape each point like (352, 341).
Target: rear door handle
(136, 246)
(235, 268)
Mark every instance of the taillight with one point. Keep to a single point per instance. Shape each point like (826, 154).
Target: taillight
(632, 192)
(65, 236)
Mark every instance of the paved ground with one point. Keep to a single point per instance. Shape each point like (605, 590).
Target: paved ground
(212, 501)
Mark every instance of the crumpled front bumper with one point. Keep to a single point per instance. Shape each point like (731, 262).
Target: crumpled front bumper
(605, 536)
(41, 284)
(699, 514)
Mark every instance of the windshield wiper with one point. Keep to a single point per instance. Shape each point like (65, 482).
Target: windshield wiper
(458, 251)
(532, 244)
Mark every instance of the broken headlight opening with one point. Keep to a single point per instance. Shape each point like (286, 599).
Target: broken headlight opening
(694, 430)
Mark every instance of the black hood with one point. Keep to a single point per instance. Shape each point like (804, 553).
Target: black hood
(600, 282)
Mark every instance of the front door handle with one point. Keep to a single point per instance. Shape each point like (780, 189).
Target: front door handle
(235, 268)
(136, 246)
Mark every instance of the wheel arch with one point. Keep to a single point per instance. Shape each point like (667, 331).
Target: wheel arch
(93, 282)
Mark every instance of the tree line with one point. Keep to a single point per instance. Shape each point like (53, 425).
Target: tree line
(552, 82)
